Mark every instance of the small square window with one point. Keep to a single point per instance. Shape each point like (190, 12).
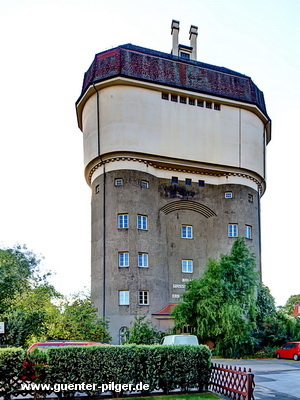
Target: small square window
(200, 103)
(187, 232)
(233, 230)
(143, 260)
(174, 97)
(143, 298)
(182, 100)
(123, 297)
(187, 266)
(201, 183)
(188, 181)
(228, 195)
(118, 182)
(123, 259)
(142, 222)
(174, 180)
(208, 104)
(145, 184)
(191, 102)
(186, 56)
(217, 107)
(165, 96)
(123, 221)
(248, 232)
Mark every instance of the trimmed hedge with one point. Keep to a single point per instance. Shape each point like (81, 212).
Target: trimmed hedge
(11, 371)
(161, 367)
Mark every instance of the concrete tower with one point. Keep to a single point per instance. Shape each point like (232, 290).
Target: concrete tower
(174, 152)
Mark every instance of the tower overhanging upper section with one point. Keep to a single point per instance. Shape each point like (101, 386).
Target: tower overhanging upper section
(139, 63)
(122, 113)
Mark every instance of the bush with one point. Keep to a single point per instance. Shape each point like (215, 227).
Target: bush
(160, 367)
(11, 371)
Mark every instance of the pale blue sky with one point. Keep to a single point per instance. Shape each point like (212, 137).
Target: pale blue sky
(47, 45)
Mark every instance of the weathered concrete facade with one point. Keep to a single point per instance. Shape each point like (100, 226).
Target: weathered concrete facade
(174, 152)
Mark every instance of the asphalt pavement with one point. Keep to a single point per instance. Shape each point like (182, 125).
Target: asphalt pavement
(274, 379)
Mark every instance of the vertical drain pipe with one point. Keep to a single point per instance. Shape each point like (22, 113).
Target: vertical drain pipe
(104, 209)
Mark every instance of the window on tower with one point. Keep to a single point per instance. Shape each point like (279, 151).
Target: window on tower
(143, 297)
(118, 182)
(187, 266)
(123, 221)
(187, 232)
(232, 230)
(142, 222)
(123, 297)
(248, 231)
(124, 259)
(143, 260)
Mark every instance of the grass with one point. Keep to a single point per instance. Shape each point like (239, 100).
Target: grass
(198, 396)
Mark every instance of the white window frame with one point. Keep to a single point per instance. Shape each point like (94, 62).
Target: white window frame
(187, 266)
(145, 184)
(233, 230)
(248, 231)
(228, 195)
(118, 182)
(142, 222)
(123, 221)
(143, 260)
(123, 259)
(187, 232)
(144, 298)
(123, 297)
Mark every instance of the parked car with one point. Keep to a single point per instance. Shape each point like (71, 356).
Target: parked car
(58, 343)
(181, 339)
(289, 350)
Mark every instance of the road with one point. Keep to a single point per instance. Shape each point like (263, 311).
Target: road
(274, 379)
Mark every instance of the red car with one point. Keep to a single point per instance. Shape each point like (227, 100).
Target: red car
(289, 350)
(58, 343)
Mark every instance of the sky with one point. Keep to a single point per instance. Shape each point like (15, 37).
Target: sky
(47, 45)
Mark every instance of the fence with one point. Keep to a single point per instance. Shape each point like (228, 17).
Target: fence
(232, 382)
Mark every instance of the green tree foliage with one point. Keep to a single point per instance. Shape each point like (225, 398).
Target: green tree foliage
(290, 304)
(221, 304)
(142, 332)
(33, 310)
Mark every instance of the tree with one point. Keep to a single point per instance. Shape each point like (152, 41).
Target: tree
(221, 304)
(143, 332)
(290, 304)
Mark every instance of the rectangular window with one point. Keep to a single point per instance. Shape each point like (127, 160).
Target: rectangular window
(217, 107)
(208, 104)
(187, 232)
(97, 189)
(186, 56)
(143, 260)
(143, 298)
(187, 266)
(200, 103)
(182, 100)
(228, 195)
(188, 181)
(142, 222)
(250, 198)
(165, 96)
(201, 183)
(191, 102)
(123, 221)
(118, 182)
(174, 97)
(124, 259)
(145, 184)
(248, 231)
(233, 230)
(174, 180)
(123, 297)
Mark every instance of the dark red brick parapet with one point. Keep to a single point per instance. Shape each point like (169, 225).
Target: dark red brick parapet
(160, 68)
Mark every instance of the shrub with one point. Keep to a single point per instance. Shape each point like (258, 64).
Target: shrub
(11, 371)
(160, 367)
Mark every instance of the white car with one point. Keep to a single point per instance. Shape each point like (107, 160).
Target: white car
(181, 339)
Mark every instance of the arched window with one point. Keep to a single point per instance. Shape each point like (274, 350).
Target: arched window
(122, 332)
